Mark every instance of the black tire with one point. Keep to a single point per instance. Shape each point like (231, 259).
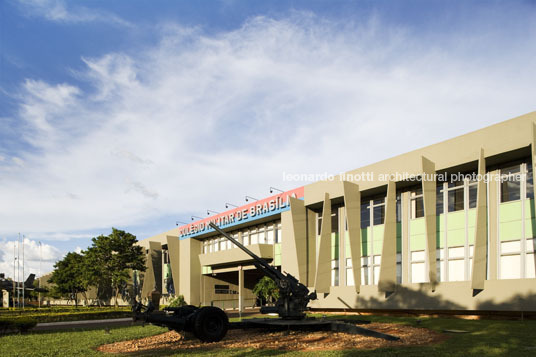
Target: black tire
(210, 324)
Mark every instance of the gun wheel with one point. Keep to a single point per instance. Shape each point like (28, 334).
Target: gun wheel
(210, 324)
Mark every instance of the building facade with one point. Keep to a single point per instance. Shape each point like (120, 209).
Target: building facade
(447, 227)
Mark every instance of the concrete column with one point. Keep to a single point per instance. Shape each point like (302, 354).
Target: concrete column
(429, 198)
(294, 244)
(480, 249)
(311, 247)
(352, 204)
(323, 254)
(190, 272)
(173, 244)
(404, 204)
(240, 289)
(387, 281)
(493, 203)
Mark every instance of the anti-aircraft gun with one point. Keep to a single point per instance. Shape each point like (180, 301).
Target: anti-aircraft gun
(210, 324)
(293, 295)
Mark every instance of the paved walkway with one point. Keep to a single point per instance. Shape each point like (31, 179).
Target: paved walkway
(126, 321)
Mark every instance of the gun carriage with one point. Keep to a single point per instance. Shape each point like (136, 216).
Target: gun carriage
(210, 324)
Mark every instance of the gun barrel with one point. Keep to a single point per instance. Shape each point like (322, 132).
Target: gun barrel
(268, 269)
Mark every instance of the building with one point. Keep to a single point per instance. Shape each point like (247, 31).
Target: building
(419, 231)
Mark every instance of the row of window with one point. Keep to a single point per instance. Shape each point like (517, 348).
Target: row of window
(269, 233)
(453, 262)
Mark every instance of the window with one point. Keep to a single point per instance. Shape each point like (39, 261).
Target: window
(417, 205)
(253, 236)
(245, 238)
(511, 183)
(262, 236)
(365, 214)
(224, 289)
(455, 201)
(335, 246)
(439, 199)
(319, 224)
(270, 235)
(529, 184)
(517, 231)
(398, 208)
(279, 234)
(378, 207)
(472, 195)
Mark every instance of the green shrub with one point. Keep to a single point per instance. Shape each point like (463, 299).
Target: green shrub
(177, 302)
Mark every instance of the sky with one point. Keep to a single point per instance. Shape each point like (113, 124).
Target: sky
(138, 114)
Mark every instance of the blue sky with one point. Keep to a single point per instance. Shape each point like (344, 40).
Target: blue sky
(136, 114)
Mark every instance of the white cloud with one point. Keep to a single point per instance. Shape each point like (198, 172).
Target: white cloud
(36, 259)
(196, 121)
(58, 11)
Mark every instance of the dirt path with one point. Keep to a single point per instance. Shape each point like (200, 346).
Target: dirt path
(293, 340)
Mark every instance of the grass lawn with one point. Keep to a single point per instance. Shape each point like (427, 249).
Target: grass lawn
(485, 338)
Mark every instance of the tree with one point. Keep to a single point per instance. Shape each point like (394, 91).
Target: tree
(67, 276)
(111, 259)
(266, 289)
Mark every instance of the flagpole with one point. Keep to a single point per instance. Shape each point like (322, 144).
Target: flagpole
(14, 274)
(18, 272)
(40, 258)
(22, 281)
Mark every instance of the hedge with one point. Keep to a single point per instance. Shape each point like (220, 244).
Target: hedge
(20, 324)
(52, 316)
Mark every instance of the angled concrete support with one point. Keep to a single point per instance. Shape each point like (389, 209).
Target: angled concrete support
(149, 279)
(294, 243)
(173, 244)
(311, 247)
(190, 272)
(387, 281)
(323, 252)
(429, 199)
(481, 233)
(155, 249)
(533, 149)
(352, 204)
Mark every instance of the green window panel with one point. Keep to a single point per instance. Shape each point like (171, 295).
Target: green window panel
(440, 239)
(378, 232)
(456, 237)
(334, 246)
(365, 234)
(364, 249)
(417, 226)
(530, 228)
(378, 246)
(510, 230)
(399, 237)
(455, 220)
(440, 223)
(529, 209)
(347, 250)
(167, 270)
(510, 211)
(471, 217)
(417, 242)
(277, 260)
(277, 248)
(471, 235)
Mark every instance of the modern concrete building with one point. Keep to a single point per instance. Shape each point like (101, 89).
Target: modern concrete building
(419, 231)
